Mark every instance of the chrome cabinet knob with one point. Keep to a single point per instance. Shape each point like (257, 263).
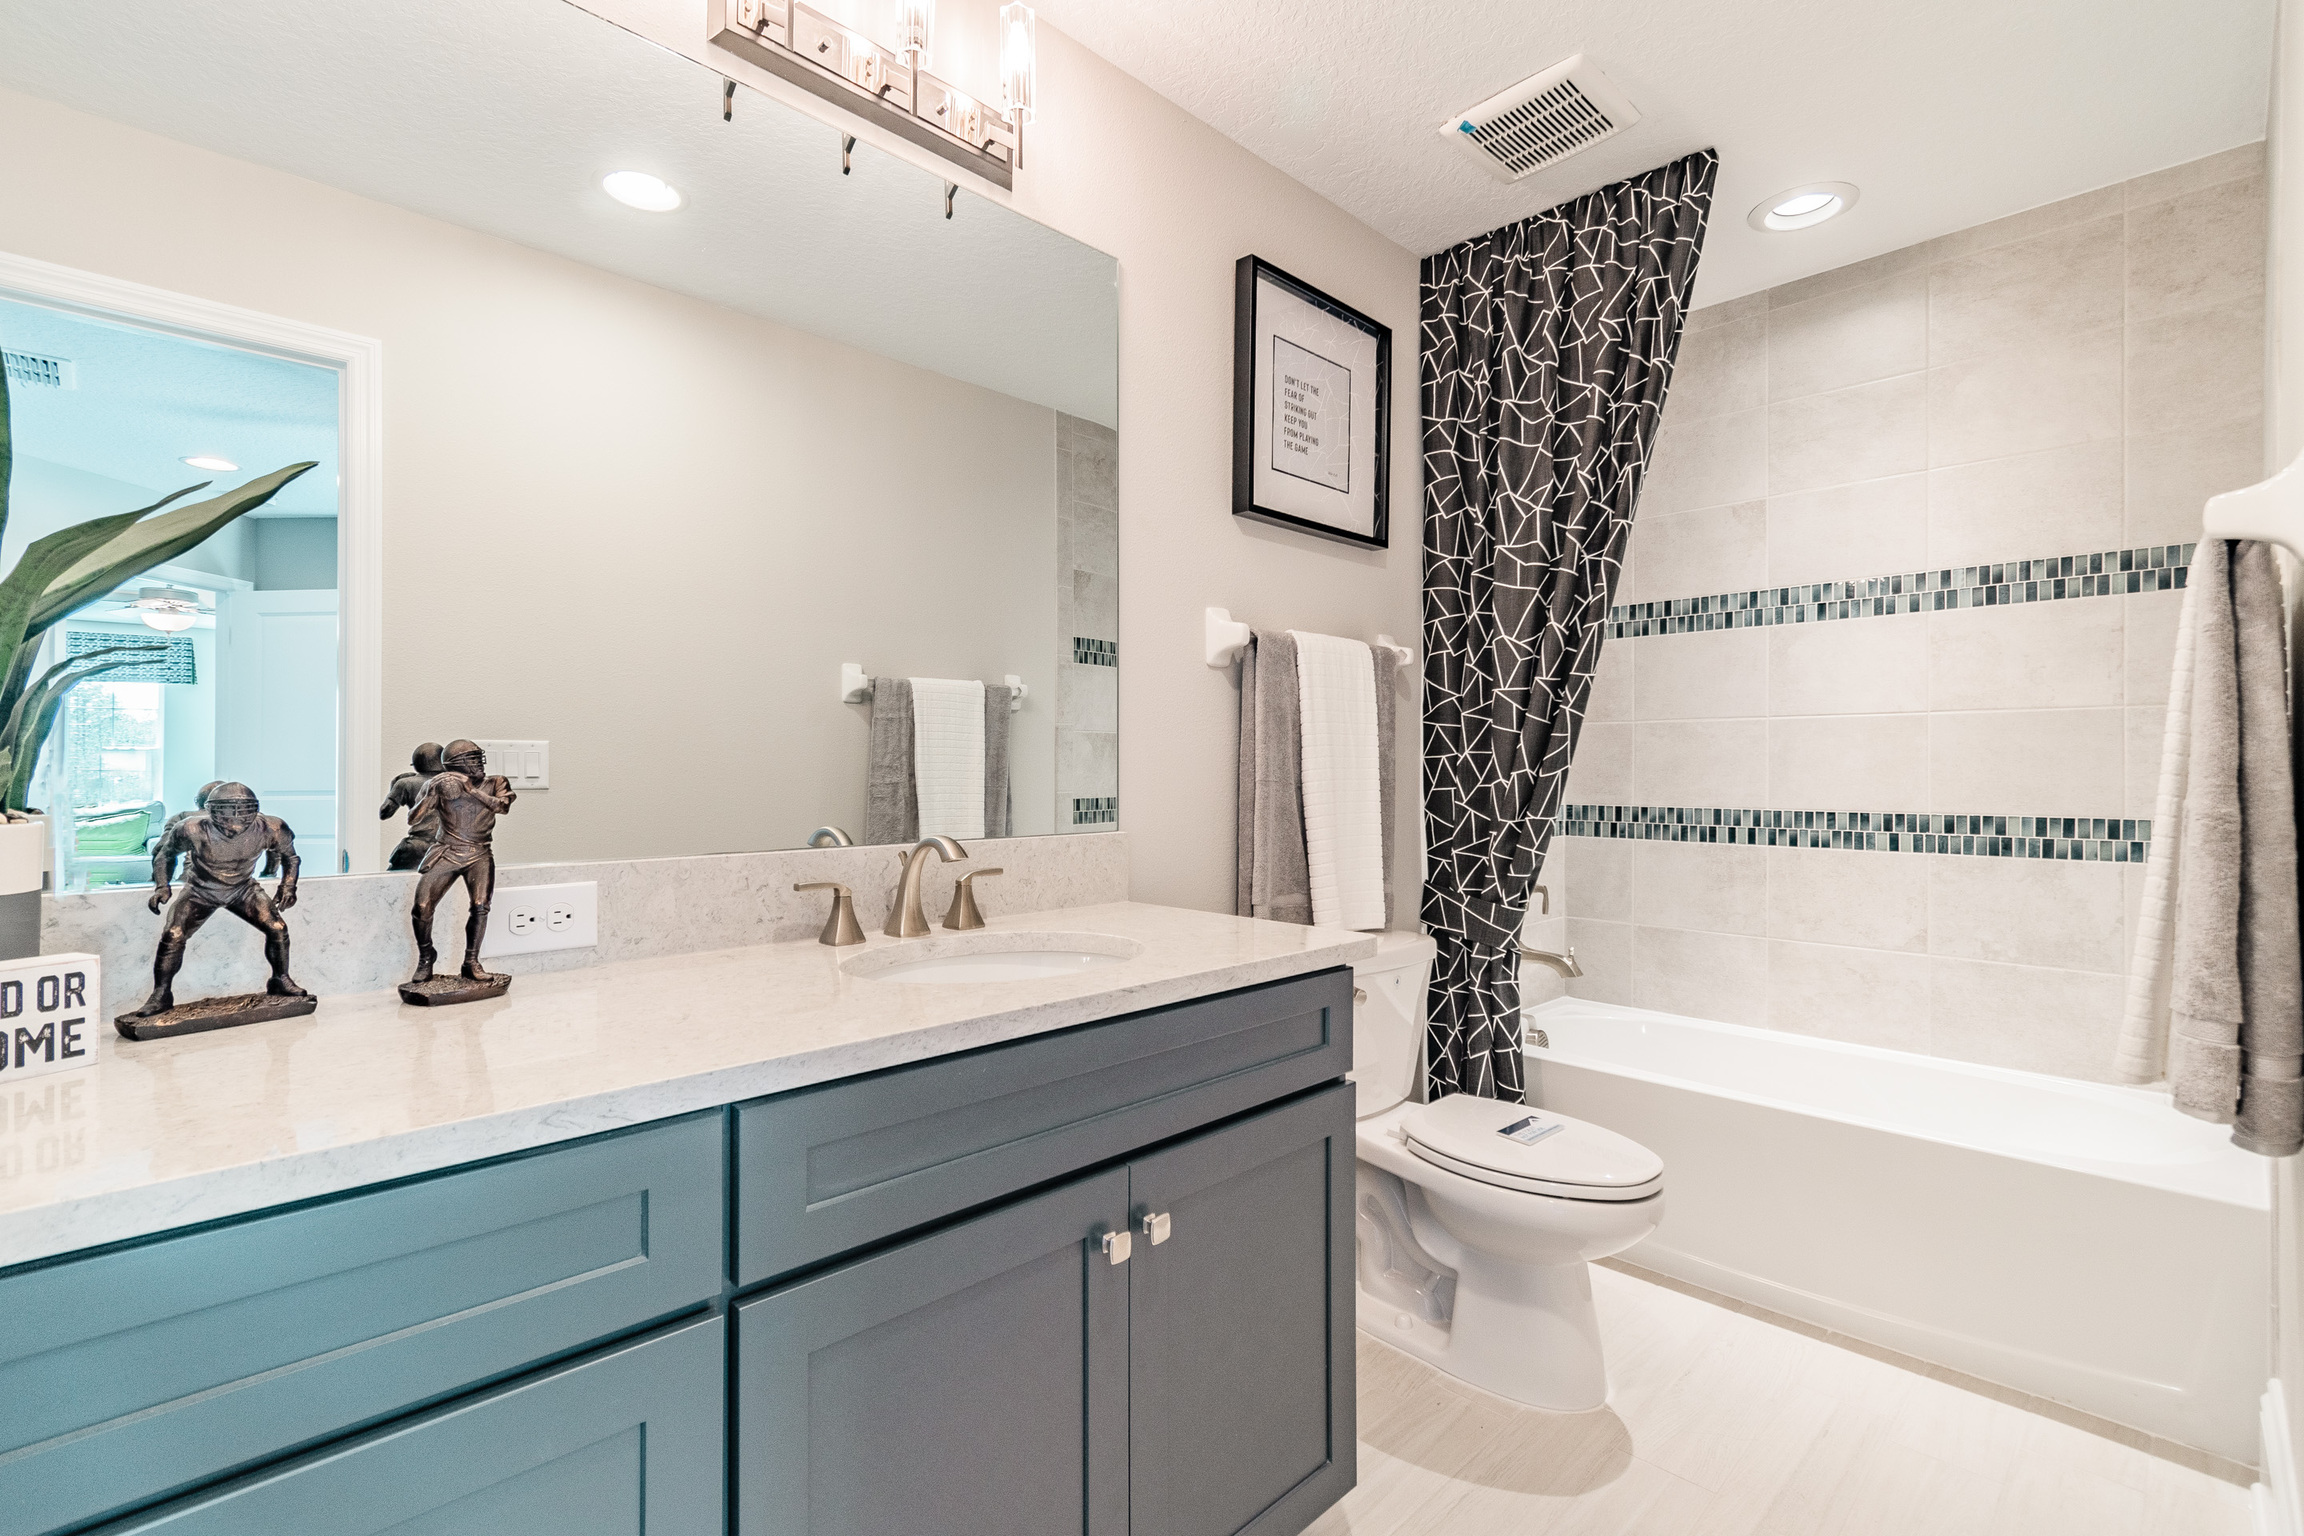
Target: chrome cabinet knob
(1117, 1246)
(1155, 1225)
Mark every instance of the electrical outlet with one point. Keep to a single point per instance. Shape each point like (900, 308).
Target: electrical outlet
(525, 919)
(528, 764)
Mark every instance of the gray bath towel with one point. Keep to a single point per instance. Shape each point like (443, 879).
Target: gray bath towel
(2236, 1041)
(1274, 878)
(892, 799)
(997, 803)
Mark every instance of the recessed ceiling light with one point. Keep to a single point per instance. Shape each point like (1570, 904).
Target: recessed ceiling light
(210, 461)
(638, 189)
(1801, 207)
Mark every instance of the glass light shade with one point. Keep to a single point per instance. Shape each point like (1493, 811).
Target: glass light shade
(168, 623)
(210, 461)
(916, 28)
(1018, 60)
(167, 609)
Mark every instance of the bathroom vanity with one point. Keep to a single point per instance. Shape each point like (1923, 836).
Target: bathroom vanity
(744, 1241)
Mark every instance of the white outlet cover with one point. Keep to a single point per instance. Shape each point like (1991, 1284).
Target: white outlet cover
(580, 899)
(528, 764)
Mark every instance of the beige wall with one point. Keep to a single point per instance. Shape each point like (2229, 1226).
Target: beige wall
(641, 527)
(2075, 380)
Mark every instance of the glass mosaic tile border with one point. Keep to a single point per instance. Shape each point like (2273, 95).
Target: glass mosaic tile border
(2092, 839)
(1094, 810)
(1095, 653)
(2113, 572)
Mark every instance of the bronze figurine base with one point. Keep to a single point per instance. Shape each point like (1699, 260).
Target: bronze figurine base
(442, 991)
(212, 1013)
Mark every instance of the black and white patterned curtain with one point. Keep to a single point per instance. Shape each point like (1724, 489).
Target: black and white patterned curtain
(1547, 348)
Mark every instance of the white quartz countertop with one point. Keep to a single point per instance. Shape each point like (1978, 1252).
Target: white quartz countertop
(167, 1133)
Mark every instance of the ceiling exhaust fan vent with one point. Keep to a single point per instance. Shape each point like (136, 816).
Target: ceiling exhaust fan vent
(1542, 120)
(34, 371)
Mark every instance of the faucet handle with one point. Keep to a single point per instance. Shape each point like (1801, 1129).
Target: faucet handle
(1543, 901)
(841, 927)
(963, 913)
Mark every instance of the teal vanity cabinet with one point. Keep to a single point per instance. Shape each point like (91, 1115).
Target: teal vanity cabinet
(1095, 1282)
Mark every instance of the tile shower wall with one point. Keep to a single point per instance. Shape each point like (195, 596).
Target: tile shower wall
(1088, 624)
(1875, 738)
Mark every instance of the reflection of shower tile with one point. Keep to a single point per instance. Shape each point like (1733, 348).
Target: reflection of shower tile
(1096, 473)
(1087, 698)
(1094, 540)
(1095, 606)
(1087, 764)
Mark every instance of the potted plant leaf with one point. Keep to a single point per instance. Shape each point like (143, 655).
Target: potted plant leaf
(57, 575)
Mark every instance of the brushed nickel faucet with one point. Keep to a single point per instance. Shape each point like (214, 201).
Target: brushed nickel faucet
(1563, 965)
(830, 837)
(840, 927)
(905, 919)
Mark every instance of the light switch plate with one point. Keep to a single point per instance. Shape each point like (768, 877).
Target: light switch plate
(528, 764)
(528, 918)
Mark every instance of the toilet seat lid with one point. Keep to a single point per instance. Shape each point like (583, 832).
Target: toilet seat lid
(1518, 1147)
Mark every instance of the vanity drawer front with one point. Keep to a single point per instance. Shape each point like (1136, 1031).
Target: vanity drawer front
(630, 1440)
(824, 1171)
(134, 1375)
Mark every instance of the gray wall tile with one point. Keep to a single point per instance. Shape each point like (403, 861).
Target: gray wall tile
(1872, 526)
(2028, 293)
(1859, 433)
(2026, 912)
(1700, 762)
(2033, 1018)
(1604, 950)
(1722, 369)
(2044, 762)
(2197, 250)
(1848, 762)
(1704, 886)
(1829, 896)
(1853, 336)
(1709, 463)
(1865, 667)
(1722, 675)
(2197, 369)
(1718, 549)
(2066, 653)
(1861, 996)
(2017, 402)
(1704, 975)
(2063, 499)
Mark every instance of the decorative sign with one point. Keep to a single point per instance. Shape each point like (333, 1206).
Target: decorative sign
(47, 1009)
(1311, 409)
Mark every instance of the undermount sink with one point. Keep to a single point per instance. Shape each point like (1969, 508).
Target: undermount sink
(983, 957)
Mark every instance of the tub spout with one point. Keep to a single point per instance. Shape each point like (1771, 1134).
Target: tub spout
(1565, 964)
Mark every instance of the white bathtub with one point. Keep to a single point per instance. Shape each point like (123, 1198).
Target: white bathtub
(2078, 1241)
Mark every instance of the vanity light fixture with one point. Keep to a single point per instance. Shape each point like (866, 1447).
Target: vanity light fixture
(1803, 207)
(167, 609)
(889, 86)
(638, 189)
(210, 461)
(915, 29)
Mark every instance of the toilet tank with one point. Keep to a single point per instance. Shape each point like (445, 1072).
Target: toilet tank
(1388, 1021)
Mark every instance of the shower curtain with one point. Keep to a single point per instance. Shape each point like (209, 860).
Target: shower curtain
(1547, 348)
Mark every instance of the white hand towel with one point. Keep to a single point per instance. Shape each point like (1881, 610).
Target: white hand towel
(1343, 795)
(948, 755)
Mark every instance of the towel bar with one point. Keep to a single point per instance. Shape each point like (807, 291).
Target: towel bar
(856, 686)
(1228, 637)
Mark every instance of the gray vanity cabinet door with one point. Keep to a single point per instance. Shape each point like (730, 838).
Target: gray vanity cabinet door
(1241, 1325)
(973, 1382)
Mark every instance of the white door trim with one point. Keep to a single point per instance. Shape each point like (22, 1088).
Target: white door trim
(359, 363)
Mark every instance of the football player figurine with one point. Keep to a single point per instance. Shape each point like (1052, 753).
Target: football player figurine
(221, 846)
(463, 800)
(423, 766)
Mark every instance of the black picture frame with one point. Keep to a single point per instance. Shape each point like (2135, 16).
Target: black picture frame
(1251, 274)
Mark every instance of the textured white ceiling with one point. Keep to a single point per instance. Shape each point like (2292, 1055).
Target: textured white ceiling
(502, 117)
(143, 400)
(1946, 113)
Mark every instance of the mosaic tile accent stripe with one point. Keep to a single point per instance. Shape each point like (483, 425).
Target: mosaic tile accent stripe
(1095, 810)
(2092, 839)
(1095, 653)
(2114, 572)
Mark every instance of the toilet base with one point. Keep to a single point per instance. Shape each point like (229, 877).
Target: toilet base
(1526, 1333)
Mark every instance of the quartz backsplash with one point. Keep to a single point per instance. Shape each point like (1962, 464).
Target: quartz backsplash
(350, 932)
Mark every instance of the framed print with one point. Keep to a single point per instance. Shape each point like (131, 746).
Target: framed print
(1311, 409)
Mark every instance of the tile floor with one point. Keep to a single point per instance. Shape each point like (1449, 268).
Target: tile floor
(1724, 1424)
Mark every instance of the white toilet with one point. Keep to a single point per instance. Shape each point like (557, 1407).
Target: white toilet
(1477, 1220)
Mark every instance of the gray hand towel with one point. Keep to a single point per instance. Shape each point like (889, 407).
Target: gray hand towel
(996, 797)
(892, 798)
(2236, 985)
(1274, 877)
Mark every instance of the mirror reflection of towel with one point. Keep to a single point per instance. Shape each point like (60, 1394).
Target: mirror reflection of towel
(892, 799)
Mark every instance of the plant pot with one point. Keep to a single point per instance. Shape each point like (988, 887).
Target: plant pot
(23, 860)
